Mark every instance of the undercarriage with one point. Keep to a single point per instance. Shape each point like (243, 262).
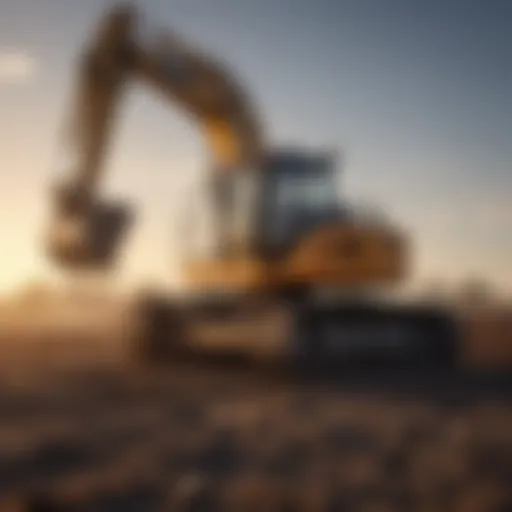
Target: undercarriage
(302, 334)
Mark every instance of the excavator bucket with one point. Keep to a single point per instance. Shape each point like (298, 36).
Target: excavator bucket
(84, 234)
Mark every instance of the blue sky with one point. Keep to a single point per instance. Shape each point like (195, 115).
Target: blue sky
(417, 94)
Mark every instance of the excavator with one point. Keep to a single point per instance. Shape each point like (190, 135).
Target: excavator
(291, 272)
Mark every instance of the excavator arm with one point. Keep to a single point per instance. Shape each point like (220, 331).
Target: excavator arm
(85, 231)
(207, 91)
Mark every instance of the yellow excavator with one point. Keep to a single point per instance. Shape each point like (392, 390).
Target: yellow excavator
(279, 279)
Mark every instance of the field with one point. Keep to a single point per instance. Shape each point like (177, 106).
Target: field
(228, 439)
(87, 436)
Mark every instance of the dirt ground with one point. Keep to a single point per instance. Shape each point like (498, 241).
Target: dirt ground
(200, 438)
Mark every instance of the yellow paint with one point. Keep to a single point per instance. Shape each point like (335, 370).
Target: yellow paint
(317, 260)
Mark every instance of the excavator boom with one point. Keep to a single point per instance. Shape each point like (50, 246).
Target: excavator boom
(197, 83)
(201, 86)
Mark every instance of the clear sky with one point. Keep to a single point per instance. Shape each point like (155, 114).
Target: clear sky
(418, 94)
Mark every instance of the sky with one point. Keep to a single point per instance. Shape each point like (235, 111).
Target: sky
(417, 95)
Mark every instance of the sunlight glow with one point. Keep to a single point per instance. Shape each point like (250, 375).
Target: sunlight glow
(16, 67)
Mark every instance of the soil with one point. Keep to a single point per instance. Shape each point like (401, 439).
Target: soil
(203, 437)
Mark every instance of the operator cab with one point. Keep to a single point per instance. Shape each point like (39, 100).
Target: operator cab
(269, 212)
(300, 193)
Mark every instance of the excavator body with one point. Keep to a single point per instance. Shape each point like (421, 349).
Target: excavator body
(306, 298)
(303, 235)
(286, 245)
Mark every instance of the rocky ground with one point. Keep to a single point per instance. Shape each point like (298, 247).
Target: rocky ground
(209, 438)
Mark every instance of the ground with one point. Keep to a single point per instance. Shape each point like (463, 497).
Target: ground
(193, 437)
